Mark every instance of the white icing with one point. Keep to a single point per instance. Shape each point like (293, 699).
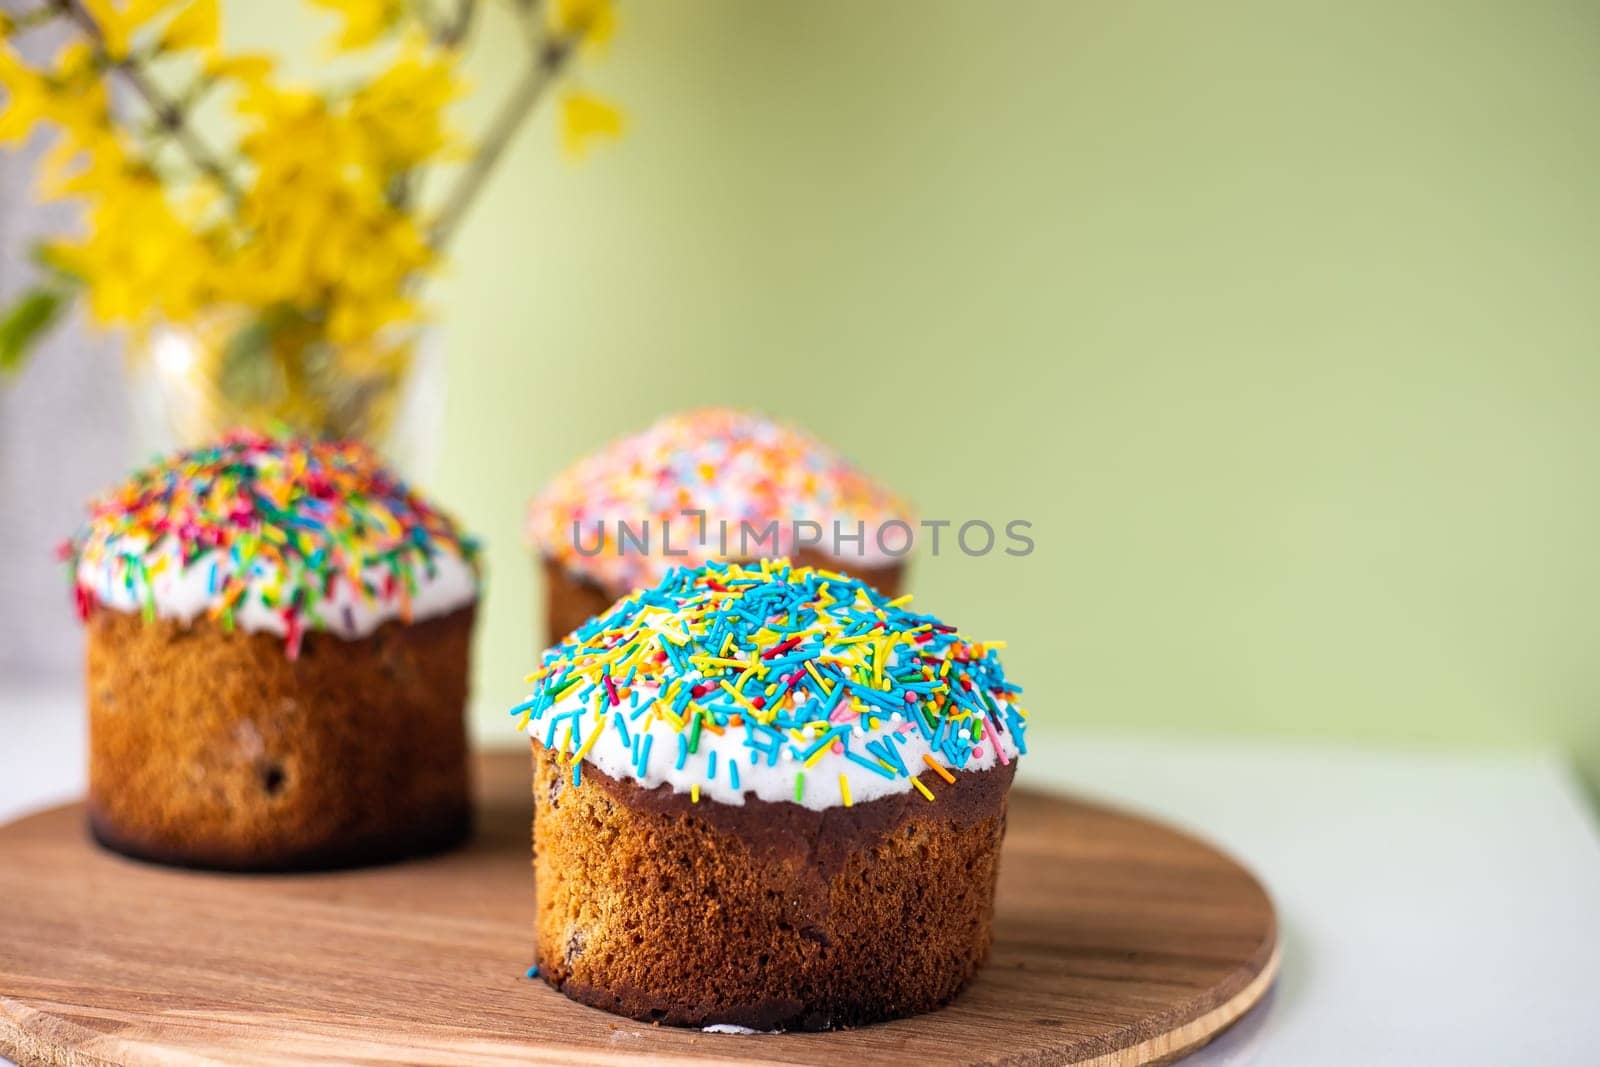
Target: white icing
(730, 1028)
(184, 593)
(757, 778)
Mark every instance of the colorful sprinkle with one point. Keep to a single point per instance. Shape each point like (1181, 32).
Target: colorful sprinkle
(678, 492)
(277, 523)
(937, 769)
(794, 665)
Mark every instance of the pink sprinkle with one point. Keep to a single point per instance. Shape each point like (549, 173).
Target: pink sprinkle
(977, 752)
(999, 750)
(295, 635)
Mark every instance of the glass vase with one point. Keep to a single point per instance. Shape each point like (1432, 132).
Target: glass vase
(192, 383)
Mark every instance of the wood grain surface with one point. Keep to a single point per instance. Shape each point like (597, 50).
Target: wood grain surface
(1118, 941)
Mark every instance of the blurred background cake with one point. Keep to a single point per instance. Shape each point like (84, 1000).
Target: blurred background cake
(708, 484)
(767, 796)
(278, 636)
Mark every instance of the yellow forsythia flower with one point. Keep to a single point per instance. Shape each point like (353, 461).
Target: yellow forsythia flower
(248, 67)
(72, 97)
(196, 26)
(401, 111)
(594, 20)
(584, 119)
(324, 231)
(27, 98)
(145, 262)
(363, 21)
(81, 111)
(118, 21)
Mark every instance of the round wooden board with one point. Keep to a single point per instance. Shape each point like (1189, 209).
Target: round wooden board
(1117, 941)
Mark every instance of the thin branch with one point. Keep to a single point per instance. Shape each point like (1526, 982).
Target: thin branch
(169, 115)
(455, 31)
(528, 18)
(23, 21)
(547, 66)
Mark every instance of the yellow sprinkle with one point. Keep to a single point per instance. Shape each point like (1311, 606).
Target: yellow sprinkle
(921, 788)
(694, 793)
(594, 735)
(566, 740)
(740, 697)
(844, 789)
(822, 750)
(946, 775)
(821, 684)
(900, 601)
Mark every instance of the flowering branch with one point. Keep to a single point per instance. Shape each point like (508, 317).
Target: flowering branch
(169, 114)
(547, 66)
(279, 333)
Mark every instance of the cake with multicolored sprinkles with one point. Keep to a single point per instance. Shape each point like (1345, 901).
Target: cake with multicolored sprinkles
(708, 484)
(278, 635)
(767, 796)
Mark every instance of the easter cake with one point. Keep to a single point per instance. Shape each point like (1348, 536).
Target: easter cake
(278, 637)
(702, 485)
(767, 796)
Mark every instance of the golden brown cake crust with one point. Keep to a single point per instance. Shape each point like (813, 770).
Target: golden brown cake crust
(767, 915)
(572, 600)
(214, 749)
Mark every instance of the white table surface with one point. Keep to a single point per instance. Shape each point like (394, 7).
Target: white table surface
(1435, 907)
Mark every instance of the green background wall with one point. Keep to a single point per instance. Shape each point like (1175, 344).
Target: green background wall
(1280, 322)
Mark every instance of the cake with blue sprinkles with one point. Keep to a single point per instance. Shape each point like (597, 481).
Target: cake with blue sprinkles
(767, 796)
(278, 635)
